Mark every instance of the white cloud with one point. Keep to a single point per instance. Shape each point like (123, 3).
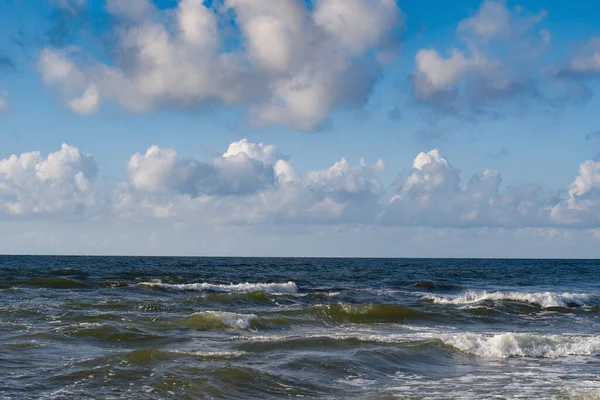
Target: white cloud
(294, 66)
(582, 208)
(357, 25)
(258, 151)
(431, 195)
(60, 182)
(586, 63)
(251, 184)
(492, 19)
(497, 60)
(161, 170)
(87, 103)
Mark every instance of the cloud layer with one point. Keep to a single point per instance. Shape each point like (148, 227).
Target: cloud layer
(286, 62)
(252, 184)
(294, 63)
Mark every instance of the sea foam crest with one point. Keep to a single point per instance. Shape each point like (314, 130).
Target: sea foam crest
(542, 299)
(287, 287)
(507, 345)
(219, 319)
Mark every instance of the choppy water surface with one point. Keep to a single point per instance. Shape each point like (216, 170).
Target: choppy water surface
(189, 328)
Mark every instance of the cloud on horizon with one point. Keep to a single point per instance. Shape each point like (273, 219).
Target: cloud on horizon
(252, 184)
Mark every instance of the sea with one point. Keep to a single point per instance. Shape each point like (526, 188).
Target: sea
(322, 328)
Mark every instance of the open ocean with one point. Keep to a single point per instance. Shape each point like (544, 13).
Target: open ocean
(259, 328)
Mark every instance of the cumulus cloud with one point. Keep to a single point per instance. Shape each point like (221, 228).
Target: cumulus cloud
(59, 182)
(293, 65)
(87, 103)
(340, 193)
(163, 185)
(249, 183)
(582, 208)
(496, 61)
(161, 170)
(267, 154)
(431, 195)
(252, 184)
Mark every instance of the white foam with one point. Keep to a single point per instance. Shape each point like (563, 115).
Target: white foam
(287, 287)
(584, 395)
(534, 383)
(507, 345)
(234, 320)
(502, 345)
(542, 299)
(209, 354)
(261, 338)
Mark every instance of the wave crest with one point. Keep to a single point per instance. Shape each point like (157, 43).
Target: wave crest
(360, 313)
(219, 320)
(508, 345)
(144, 356)
(542, 299)
(273, 288)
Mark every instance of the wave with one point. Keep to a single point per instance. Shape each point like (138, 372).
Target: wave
(67, 271)
(219, 320)
(273, 288)
(541, 299)
(430, 285)
(55, 283)
(503, 345)
(144, 356)
(109, 333)
(259, 297)
(321, 313)
(507, 345)
(359, 313)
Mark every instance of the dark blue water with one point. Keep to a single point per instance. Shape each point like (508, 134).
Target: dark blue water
(244, 328)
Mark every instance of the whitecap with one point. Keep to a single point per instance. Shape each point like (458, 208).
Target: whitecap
(505, 345)
(230, 319)
(273, 288)
(542, 299)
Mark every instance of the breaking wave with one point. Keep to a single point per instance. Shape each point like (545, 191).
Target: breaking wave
(503, 345)
(541, 299)
(219, 320)
(273, 288)
(321, 313)
(508, 345)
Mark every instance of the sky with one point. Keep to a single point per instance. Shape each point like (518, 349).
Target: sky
(342, 128)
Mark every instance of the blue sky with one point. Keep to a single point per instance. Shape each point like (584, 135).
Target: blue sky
(214, 128)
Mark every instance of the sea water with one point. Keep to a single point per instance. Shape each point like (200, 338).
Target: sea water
(258, 328)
